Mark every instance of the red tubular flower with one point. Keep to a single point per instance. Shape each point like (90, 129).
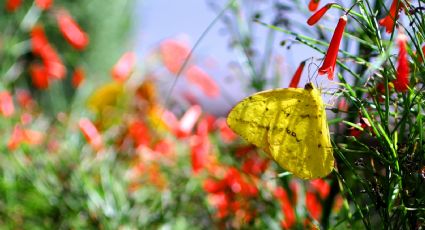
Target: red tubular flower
(90, 133)
(6, 104)
(312, 6)
(319, 14)
(401, 82)
(330, 58)
(123, 68)
(44, 4)
(71, 31)
(296, 78)
(201, 79)
(78, 77)
(39, 76)
(389, 21)
(13, 5)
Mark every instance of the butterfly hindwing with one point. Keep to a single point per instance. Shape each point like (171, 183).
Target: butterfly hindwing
(301, 142)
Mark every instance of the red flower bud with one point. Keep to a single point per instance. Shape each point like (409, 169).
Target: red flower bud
(296, 78)
(319, 14)
(312, 6)
(71, 31)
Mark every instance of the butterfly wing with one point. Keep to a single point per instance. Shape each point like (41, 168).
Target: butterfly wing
(287, 124)
(300, 141)
(251, 117)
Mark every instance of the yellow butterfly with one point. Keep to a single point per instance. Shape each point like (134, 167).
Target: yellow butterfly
(290, 125)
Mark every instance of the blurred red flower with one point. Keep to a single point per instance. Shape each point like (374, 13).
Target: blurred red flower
(90, 133)
(26, 136)
(364, 123)
(173, 54)
(332, 53)
(42, 48)
(321, 186)
(13, 5)
(287, 209)
(123, 68)
(200, 146)
(255, 165)
(71, 31)
(401, 84)
(139, 132)
(313, 205)
(44, 4)
(227, 134)
(389, 20)
(78, 77)
(313, 5)
(24, 98)
(39, 76)
(201, 79)
(6, 104)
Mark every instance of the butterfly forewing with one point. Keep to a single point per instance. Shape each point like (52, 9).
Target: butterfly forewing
(251, 117)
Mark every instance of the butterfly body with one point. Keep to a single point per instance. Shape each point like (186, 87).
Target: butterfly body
(290, 125)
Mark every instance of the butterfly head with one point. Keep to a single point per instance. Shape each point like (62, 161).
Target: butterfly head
(309, 86)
